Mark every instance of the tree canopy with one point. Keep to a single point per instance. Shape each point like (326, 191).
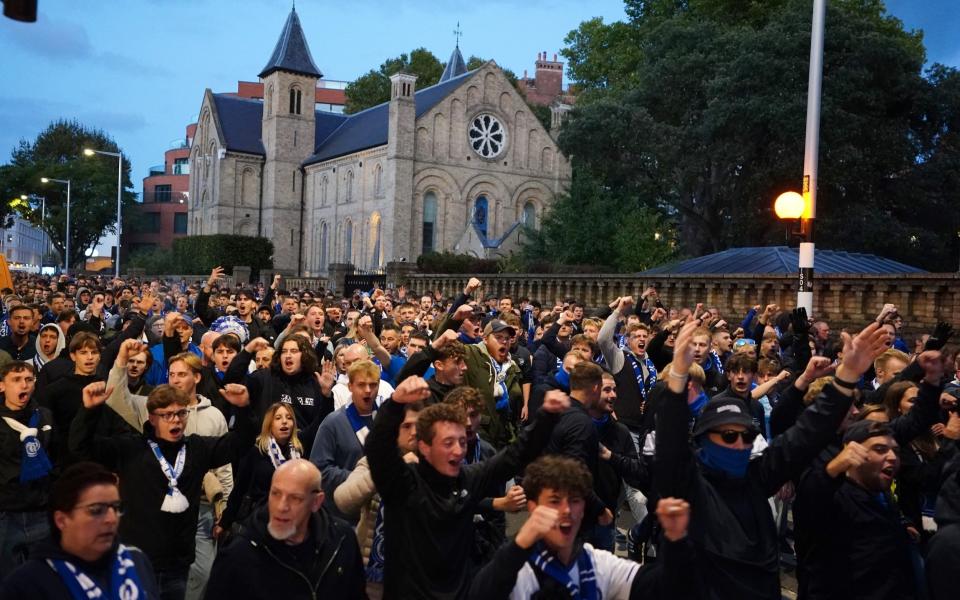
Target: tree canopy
(57, 153)
(695, 110)
(373, 87)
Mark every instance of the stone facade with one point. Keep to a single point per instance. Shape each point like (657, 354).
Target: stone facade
(369, 208)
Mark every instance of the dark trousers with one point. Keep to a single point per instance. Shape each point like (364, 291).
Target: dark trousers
(172, 583)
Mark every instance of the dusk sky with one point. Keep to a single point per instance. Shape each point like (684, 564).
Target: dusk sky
(137, 68)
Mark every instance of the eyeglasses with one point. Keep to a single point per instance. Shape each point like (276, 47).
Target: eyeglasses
(170, 416)
(729, 436)
(744, 342)
(98, 510)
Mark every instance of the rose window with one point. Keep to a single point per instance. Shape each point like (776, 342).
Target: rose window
(487, 136)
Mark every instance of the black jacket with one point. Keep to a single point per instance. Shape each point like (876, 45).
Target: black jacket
(431, 523)
(624, 464)
(576, 437)
(865, 552)
(251, 484)
(944, 546)
(418, 364)
(64, 397)
(16, 496)
(544, 363)
(36, 580)
(731, 524)
(256, 566)
(25, 353)
(167, 538)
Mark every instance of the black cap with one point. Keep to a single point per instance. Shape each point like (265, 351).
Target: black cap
(726, 411)
(861, 431)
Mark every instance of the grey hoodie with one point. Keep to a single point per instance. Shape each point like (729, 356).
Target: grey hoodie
(39, 360)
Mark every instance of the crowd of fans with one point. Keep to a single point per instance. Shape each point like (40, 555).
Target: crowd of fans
(175, 440)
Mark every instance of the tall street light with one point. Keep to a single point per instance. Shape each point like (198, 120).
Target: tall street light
(91, 152)
(66, 254)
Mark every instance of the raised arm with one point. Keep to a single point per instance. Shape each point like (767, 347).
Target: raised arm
(202, 305)
(608, 345)
(393, 479)
(130, 408)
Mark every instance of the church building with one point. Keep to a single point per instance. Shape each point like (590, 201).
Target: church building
(460, 166)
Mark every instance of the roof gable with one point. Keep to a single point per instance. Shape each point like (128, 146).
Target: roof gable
(291, 52)
(368, 128)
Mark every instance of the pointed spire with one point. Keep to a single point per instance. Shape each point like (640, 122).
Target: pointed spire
(292, 53)
(455, 66)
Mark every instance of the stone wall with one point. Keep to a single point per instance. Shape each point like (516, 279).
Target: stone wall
(842, 300)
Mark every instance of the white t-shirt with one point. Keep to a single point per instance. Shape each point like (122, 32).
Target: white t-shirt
(341, 394)
(614, 576)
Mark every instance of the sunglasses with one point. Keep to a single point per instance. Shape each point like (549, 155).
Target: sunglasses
(744, 342)
(170, 416)
(729, 436)
(98, 510)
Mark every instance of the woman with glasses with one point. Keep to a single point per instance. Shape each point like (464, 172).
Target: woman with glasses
(83, 558)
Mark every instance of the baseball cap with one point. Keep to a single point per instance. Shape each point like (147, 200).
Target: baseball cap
(496, 326)
(861, 431)
(728, 411)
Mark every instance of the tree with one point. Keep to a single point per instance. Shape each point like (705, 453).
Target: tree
(57, 153)
(697, 109)
(373, 88)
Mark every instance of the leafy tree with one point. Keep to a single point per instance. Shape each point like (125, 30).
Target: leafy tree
(57, 153)
(373, 88)
(697, 109)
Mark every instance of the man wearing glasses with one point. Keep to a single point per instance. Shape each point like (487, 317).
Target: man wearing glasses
(83, 558)
(161, 472)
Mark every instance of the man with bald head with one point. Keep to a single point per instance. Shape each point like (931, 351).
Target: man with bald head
(341, 391)
(293, 534)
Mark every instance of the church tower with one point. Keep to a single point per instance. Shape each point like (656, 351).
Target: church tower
(288, 132)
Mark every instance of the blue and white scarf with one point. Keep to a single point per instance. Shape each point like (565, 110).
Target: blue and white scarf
(375, 563)
(713, 362)
(276, 455)
(124, 579)
(173, 501)
(357, 423)
(543, 560)
(34, 463)
(644, 384)
(500, 391)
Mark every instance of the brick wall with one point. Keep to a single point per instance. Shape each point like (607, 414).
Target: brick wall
(842, 300)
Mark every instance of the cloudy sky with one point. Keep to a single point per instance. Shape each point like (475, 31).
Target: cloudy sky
(137, 68)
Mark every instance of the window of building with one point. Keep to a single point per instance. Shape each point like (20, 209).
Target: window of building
(323, 245)
(181, 166)
(378, 181)
(375, 241)
(348, 192)
(429, 222)
(530, 215)
(151, 222)
(348, 241)
(162, 193)
(480, 215)
(180, 223)
(294, 101)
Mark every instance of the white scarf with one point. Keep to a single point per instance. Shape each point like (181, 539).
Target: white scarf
(173, 501)
(276, 456)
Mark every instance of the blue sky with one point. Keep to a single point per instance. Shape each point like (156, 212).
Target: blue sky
(137, 68)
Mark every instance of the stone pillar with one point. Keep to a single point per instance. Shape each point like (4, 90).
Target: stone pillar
(336, 272)
(398, 273)
(241, 275)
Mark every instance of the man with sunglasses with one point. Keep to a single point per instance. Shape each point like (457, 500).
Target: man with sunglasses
(162, 471)
(83, 558)
(731, 525)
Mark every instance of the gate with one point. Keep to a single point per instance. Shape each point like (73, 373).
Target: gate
(365, 281)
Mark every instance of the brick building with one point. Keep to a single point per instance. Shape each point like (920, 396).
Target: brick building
(161, 215)
(546, 86)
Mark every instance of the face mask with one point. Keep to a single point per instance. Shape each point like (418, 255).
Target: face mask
(730, 461)
(698, 403)
(563, 378)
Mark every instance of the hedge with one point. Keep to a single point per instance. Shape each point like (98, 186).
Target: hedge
(201, 253)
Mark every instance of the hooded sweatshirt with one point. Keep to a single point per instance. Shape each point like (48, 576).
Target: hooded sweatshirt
(39, 360)
(944, 547)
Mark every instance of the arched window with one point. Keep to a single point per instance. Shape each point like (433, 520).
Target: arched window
(323, 245)
(530, 215)
(429, 222)
(294, 101)
(348, 191)
(323, 191)
(480, 215)
(268, 100)
(375, 241)
(348, 241)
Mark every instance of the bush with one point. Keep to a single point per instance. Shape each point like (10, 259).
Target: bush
(201, 253)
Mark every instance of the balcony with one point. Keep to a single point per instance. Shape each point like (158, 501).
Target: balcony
(157, 170)
(165, 197)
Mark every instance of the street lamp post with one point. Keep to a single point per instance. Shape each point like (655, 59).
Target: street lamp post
(66, 253)
(91, 152)
(810, 155)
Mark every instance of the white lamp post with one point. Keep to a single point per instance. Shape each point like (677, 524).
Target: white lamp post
(91, 152)
(66, 253)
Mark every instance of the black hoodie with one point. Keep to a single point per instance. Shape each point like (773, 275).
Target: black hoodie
(254, 565)
(35, 579)
(16, 496)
